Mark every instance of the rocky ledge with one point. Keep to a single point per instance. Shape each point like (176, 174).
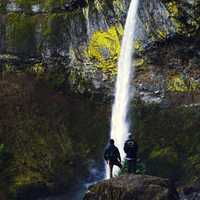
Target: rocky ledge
(133, 187)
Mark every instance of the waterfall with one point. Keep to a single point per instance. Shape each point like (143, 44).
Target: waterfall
(119, 122)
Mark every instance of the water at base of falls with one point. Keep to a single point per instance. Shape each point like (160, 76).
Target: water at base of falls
(119, 122)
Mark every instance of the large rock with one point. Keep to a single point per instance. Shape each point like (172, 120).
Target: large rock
(133, 187)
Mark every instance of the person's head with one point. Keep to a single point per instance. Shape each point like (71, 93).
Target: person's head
(130, 136)
(112, 141)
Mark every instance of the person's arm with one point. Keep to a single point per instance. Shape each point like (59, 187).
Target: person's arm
(105, 154)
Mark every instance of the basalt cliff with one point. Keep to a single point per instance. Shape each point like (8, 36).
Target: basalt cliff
(79, 40)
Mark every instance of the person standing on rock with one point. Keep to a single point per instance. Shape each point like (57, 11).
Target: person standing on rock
(112, 156)
(131, 149)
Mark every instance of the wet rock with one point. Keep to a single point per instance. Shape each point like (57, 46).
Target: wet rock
(190, 193)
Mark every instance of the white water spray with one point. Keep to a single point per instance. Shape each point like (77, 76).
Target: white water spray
(119, 123)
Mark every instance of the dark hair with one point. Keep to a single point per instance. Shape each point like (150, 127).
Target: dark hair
(112, 141)
(130, 136)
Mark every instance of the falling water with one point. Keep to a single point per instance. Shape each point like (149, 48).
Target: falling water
(119, 123)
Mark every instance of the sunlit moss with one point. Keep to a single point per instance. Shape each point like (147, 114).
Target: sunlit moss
(162, 34)
(141, 64)
(174, 13)
(104, 48)
(138, 45)
(179, 84)
(98, 5)
(173, 9)
(178, 25)
(39, 69)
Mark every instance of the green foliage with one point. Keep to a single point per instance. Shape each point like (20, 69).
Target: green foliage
(181, 84)
(172, 8)
(8, 68)
(39, 69)
(140, 168)
(51, 137)
(138, 45)
(169, 141)
(162, 34)
(185, 22)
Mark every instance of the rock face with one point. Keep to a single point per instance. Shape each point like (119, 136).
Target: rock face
(130, 187)
(83, 37)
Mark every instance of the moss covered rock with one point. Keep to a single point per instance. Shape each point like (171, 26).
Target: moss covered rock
(131, 187)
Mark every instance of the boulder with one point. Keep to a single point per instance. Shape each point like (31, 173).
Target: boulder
(133, 187)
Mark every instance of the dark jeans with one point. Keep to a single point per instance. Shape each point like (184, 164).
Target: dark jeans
(131, 166)
(111, 164)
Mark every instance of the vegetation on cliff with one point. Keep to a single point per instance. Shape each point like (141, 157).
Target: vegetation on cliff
(45, 140)
(169, 141)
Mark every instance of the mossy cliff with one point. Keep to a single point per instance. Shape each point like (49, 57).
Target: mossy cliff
(84, 38)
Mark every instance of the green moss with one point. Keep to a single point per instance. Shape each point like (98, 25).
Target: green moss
(162, 34)
(39, 69)
(185, 22)
(138, 45)
(104, 48)
(140, 62)
(172, 8)
(141, 65)
(179, 84)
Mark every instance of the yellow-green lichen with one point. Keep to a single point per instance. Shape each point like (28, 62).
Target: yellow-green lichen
(38, 69)
(138, 45)
(162, 34)
(104, 48)
(141, 64)
(173, 9)
(180, 84)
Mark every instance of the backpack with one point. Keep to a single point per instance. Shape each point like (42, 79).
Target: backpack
(110, 154)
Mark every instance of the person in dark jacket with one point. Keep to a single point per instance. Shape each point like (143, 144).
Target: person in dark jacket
(112, 156)
(131, 149)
